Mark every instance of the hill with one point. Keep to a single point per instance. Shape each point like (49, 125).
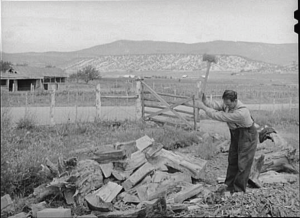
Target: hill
(127, 55)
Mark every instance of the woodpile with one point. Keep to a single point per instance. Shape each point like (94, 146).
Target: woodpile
(273, 163)
(136, 178)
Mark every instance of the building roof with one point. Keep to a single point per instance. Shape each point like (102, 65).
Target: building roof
(26, 72)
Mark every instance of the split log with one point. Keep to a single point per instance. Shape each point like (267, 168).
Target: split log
(144, 142)
(128, 147)
(96, 204)
(6, 203)
(109, 156)
(153, 150)
(138, 176)
(158, 194)
(109, 191)
(184, 163)
(188, 193)
(68, 195)
(128, 198)
(37, 207)
(120, 214)
(156, 207)
(221, 179)
(275, 177)
(178, 207)
(136, 160)
(107, 169)
(120, 175)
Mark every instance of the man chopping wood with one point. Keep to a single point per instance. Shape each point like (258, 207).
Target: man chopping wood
(243, 137)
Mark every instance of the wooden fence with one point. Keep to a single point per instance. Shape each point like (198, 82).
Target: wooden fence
(150, 105)
(165, 107)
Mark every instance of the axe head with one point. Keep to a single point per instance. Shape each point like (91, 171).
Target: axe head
(210, 58)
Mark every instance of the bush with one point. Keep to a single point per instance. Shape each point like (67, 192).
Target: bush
(27, 122)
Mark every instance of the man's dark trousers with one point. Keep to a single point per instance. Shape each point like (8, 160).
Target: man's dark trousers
(240, 158)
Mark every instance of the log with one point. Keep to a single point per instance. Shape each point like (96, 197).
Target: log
(280, 160)
(120, 175)
(160, 193)
(144, 142)
(188, 193)
(156, 207)
(178, 207)
(278, 155)
(109, 191)
(42, 191)
(153, 150)
(184, 163)
(120, 214)
(107, 169)
(275, 177)
(68, 195)
(128, 198)
(128, 147)
(109, 156)
(137, 176)
(136, 160)
(96, 204)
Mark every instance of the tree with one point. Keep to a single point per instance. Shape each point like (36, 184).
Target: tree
(88, 73)
(5, 65)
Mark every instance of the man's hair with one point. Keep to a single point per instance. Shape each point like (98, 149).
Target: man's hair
(229, 94)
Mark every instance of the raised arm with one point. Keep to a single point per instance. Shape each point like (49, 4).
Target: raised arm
(212, 104)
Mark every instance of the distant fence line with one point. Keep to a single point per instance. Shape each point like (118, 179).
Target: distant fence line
(99, 99)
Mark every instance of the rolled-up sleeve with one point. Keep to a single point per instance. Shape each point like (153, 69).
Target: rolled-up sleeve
(235, 117)
(215, 105)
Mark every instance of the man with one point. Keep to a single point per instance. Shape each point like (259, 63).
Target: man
(243, 137)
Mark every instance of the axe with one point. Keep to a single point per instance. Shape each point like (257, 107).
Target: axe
(210, 59)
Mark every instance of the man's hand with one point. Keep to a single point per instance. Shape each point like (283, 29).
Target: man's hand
(201, 105)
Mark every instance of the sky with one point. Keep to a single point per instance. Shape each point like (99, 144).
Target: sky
(41, 26)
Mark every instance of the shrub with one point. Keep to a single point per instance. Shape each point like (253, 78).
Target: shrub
(27, 122)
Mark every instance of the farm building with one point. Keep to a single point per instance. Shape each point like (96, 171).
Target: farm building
(25, 78)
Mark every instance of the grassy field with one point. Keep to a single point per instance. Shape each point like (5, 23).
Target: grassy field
(251, 88)
(26, 146)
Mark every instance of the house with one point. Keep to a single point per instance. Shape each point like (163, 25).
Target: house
(25, 78)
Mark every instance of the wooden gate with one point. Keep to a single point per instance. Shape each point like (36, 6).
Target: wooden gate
(167, 112)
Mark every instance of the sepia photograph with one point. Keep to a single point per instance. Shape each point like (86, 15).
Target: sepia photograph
(149, 108)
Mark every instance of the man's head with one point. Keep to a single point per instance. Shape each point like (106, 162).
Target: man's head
(230, 98)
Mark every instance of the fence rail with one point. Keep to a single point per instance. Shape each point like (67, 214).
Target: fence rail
(135, 103)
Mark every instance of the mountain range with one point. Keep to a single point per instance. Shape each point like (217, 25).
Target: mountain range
(125, 55)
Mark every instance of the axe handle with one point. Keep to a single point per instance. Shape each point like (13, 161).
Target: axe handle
(205, 79)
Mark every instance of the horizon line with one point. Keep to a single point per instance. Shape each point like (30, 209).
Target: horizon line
(148, 41)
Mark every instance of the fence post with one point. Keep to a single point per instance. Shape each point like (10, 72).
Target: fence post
(210, 97)
(139, 103)
(52, 123)
(76, 107)
(198, 95)
(26, 100)
(290, 104)
(194, 112)
(273, 105)
(98, 101)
